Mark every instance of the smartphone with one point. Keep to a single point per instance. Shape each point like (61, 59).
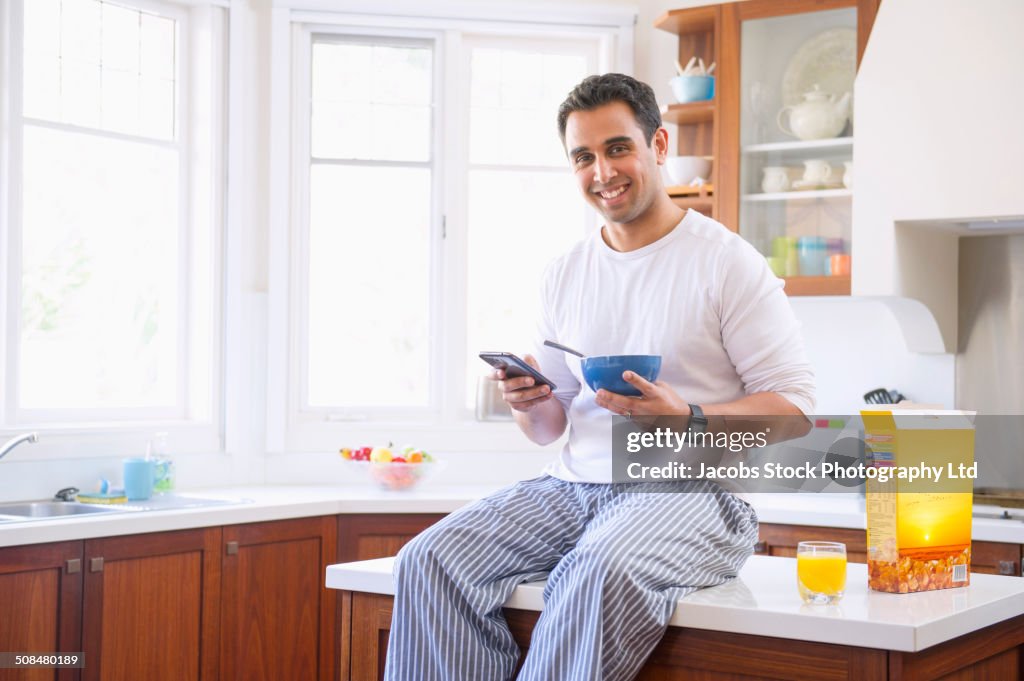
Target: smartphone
(515, 367)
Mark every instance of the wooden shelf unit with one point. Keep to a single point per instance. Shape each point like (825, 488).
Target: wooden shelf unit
(818, 286)
(690, 113)
(713, 33)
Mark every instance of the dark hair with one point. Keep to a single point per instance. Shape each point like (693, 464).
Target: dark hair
(595, 91)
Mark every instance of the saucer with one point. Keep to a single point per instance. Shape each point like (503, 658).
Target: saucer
(804, 185)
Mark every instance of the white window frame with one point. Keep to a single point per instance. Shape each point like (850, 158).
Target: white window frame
(449, 425)
(195, 425)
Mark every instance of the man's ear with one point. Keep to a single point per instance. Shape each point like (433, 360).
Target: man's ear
(660, 145)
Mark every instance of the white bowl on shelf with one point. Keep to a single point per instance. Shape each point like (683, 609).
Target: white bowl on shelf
(682, 170)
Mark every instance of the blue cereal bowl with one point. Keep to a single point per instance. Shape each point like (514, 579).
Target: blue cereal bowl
(606, 372)
(693, 88)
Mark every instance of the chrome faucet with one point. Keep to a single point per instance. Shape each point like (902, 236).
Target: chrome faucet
(14, 442)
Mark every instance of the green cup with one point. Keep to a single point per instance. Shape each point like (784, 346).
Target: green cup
(777, 265)
(782, 246)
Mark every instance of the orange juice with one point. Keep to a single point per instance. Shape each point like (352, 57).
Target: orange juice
(823, 573)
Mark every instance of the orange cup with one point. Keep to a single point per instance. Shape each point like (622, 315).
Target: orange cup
(839, 264)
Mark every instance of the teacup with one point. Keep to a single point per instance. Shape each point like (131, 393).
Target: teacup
(776, 179)
(817, 171)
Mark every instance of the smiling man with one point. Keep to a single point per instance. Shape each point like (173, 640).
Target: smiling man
(653, 280)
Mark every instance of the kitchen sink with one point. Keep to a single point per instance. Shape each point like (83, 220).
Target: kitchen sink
(26, 510)
(23, 511)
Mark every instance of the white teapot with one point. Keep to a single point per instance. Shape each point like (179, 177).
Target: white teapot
(819, 116)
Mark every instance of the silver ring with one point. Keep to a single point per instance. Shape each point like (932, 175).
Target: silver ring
(629, 415)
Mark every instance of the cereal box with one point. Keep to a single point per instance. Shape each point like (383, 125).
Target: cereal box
(919, 497)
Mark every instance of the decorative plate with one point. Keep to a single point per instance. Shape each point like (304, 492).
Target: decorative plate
(829, 60)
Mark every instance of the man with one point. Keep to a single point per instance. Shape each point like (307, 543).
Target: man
(653, 280)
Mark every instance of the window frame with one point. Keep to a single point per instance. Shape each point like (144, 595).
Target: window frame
(448, 424)
(194, 424)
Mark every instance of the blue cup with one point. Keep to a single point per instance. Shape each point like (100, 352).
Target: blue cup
(138, 479)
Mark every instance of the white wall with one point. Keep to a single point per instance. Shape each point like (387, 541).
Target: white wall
(938, 106)
(857, 344)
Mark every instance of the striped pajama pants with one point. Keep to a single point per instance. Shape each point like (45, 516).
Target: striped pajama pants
(616, 559)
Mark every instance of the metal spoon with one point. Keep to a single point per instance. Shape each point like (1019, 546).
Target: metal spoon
(559, 346)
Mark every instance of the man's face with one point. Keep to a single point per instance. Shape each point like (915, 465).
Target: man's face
(615, 168)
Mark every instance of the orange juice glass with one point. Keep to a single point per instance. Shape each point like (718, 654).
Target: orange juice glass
(821, 571)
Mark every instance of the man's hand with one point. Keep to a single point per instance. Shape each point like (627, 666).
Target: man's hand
(657, 399)
(521, 393)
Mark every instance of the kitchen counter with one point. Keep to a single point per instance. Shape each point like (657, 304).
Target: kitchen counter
(262, 503)
(763, 601)
(255, 504)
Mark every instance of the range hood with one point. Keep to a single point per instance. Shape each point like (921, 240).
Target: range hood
(940, 149)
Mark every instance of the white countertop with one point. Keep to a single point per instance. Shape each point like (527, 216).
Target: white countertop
(255, 504)
(763, 601)
(261, 503)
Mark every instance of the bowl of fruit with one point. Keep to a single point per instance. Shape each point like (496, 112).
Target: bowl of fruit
(390, 467)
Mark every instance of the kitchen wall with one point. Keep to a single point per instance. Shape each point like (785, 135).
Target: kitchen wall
(854, 345)
(989, 363)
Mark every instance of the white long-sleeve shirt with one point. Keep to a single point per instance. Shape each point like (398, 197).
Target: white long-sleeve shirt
(701, 297)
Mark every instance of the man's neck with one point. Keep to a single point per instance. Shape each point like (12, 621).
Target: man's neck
(645, 230)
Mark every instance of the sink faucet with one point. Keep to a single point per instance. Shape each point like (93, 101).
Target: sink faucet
(15, 441)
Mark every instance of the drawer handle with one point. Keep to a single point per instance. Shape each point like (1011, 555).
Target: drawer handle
(232, 548)
(74, 566)
(761, 547)
(1008, 567)
(96, 564)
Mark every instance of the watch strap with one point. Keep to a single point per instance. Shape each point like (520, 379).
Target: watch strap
(698, 421)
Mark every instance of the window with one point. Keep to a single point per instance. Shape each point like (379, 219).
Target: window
(371, 172)
(524, 207)
(430, 191)
(111, 223)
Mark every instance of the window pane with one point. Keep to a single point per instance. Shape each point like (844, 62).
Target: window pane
(369, 302)
(97, 64)
(120, 39)
(371, 102)
(100, 287)
(502, 310)
(514, 100)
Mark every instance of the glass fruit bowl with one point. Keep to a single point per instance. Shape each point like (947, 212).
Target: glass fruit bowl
(394, 475)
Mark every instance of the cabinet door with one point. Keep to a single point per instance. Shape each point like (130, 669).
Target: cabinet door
(41, 605)
(151, 606)
(378, 535)
(781, 540)
(371, 624)
(994, 558)
(278, 618)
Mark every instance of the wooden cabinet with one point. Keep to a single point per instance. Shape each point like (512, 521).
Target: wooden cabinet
(379, 535)
(781, 540)
(150, 607)
(277, 618)
(995, 652)
(987, 557)
(995, 558)
(41, 605)
(751, 42)
(239, 602)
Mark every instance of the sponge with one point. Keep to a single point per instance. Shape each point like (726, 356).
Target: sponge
(102, 498)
